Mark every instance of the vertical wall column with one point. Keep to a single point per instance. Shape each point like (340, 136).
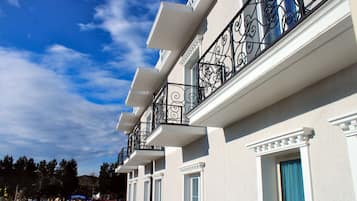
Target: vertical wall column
(306, 172)
(348, 124)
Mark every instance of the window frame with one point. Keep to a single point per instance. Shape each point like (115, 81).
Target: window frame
(278, 160)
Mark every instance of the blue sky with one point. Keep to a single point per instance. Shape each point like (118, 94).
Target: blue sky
(65, 70)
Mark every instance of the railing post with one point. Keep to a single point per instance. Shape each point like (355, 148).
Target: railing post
(167, 102)
(198, 83)
(302, 8)
(232, 48)
(181, 117)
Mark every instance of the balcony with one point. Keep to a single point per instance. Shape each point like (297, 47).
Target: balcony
(145, 81)
(122, 156)
(170, 123)
(269, 51)
(175, 23)
(138, 152)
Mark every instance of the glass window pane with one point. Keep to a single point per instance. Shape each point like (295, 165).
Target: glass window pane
(146, 190)
(134, 192)
(195, 189)
(292, 180)
(158, 190)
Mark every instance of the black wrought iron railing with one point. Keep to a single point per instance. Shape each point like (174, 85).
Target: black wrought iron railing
(137, 138)
(172, 102)
(123, 155)
(253, 30)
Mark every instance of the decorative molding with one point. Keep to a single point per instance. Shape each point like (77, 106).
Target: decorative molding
(158, 174)
(147, 177)
(196, 167)
(290, 140)
(347, 123)
(191, 49)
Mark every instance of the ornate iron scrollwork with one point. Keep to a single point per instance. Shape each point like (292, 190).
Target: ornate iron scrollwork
(254, 29)
(172, 102)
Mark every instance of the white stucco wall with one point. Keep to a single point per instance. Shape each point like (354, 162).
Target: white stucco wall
(230, 168)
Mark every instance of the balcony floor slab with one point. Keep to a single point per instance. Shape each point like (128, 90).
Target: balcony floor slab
(175, 135)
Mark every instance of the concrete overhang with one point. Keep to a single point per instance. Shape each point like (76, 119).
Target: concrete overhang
(142, 157)
(319, 47)
(175, 23)
(126, 121)
(175, 135)
(146, 79)
(125, 169)
(138, 98)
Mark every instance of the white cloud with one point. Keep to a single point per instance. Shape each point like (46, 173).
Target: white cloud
(87, 27)
(94, 79)
(14, 2)
(41, 116)
(128, 29)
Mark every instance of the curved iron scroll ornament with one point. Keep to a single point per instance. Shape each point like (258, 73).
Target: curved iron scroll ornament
(255, 28)
(137, 138)
(172, 103)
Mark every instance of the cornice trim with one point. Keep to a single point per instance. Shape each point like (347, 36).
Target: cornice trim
(294, 139)
(347, 123)
(196, 167)
(191, 49)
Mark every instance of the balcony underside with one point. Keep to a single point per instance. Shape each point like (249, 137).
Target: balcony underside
(175, 24)
(126, 121)
(145, 81)
(175, 135)
(142, 157)
(138, 98)
(125, 169)
(320, 46)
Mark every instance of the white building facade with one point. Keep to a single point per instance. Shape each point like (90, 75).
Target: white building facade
(252, 100)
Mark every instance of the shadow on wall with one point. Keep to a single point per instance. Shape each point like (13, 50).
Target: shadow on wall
(195, 150)
(328, 90)
(160, 164)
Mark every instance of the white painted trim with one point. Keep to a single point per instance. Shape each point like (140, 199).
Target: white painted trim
(347, 123)
(274, 60)
(147, 177)
(259, 178)
(286, 141)
(191, 169)
(298, 138)
(158, 174)
(306, 172)
(196, 43)
(154, 186)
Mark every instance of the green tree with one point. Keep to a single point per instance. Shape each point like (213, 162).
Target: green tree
(67, 173)
(48, 183)
(104, 178)
(7, 173)
(110, 182)
(25, 174)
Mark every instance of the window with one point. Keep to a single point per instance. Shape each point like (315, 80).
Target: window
(147, 191)
(193, 181)
(283, 166)
(265, 21)
(157, 195)
(134, 192)
(192, 187)
(191, 82)
(195, 188)
(291, 180)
